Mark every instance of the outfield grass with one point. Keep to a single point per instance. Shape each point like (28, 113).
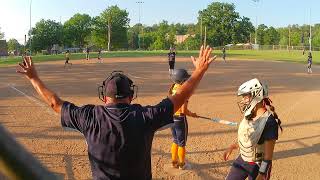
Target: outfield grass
(294, 56)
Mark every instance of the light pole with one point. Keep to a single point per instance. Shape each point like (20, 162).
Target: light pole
(25, 44)
(310, 46)
(223, 26)
(30, 29)
(139, 4)
(255, 37)
(289, 43)
(201, 29)
(256, 33)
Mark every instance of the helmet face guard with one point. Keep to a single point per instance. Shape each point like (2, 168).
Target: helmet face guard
(256, 92)
(253, 100)
(243, 103)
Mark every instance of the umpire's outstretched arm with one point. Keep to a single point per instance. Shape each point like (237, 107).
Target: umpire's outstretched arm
(27, 68)
(201, 65)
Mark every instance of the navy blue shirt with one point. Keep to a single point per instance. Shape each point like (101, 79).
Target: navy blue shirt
(310, 60)
(270, 131)
(172, 56)
(119, 136)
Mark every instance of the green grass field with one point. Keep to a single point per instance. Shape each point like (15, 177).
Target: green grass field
(293, 56)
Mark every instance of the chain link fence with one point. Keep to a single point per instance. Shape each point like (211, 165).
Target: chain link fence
(267, 47)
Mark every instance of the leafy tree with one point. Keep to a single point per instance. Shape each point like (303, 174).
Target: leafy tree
(261, 33)
(149, 38)
(13, 45)
(45, 34)
(111, 28)
(133, 36)
(316, 36)
(161, 36)
(272, 37)
(76, 29)
(192, 43)
(224, 24)
(1, 34)
(284, 38)
(242, 30)
(181, 28)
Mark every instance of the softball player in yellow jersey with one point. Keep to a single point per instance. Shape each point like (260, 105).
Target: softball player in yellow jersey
(180, 127)
(67, 56)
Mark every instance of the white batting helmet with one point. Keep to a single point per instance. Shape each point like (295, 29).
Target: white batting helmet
(258, 92)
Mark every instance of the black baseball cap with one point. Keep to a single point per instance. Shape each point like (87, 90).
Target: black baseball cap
(118, 86)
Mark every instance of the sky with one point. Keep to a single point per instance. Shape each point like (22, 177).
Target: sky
(15, 14)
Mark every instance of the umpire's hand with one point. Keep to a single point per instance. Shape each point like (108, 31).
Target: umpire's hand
(26, 68)
(201, 65)
(204, 60)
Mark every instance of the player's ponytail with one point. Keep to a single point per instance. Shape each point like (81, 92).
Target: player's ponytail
(271, 108)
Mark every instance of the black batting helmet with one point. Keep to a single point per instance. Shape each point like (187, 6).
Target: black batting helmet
(179, 76)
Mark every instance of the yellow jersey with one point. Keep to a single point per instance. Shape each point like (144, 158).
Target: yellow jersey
(173, 92)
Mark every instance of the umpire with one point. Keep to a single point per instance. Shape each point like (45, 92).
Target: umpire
(119, 134)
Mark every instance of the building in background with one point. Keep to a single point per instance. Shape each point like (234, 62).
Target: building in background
(181, 38)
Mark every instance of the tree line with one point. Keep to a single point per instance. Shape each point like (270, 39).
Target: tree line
(219, 23)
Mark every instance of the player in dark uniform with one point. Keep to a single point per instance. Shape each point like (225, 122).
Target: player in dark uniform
(257, 134)
(179, 129)
(171, 59)
(87, 53)
(224, 54)
(119, 134)
(67, 56)
(309, 63)
(99, 56)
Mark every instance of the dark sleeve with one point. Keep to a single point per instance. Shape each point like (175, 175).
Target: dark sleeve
(270, 131)
(159, 115)
(76, 117)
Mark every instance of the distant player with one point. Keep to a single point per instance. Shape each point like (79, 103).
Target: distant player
(171, 59)
(67, 56)
(224, 54)
(309, 63)
(100, 60)
(87, 53)
(180, 127)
